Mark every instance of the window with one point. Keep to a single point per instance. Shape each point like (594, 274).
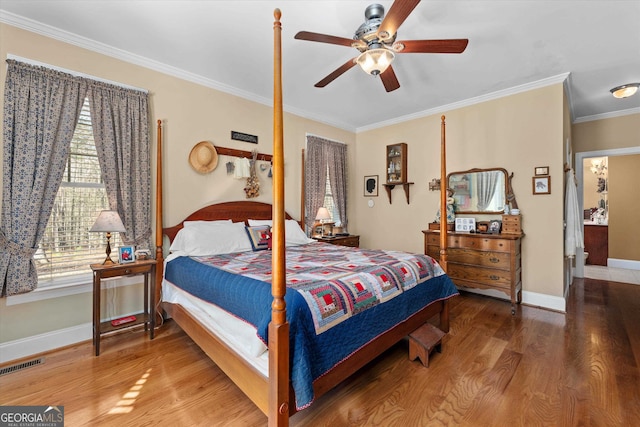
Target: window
(329, 203)
(68, 247)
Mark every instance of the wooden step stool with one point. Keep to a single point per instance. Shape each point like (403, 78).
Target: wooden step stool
(423, 341)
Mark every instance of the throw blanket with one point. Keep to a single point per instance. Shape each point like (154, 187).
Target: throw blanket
(333, 308)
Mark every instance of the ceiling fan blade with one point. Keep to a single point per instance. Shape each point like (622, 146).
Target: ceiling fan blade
(400, 10)
(431, 46)
(337, 73)
(389, 79)
(324, 38)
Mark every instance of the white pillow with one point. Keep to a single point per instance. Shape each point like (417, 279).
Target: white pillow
(205, 223)
(292, 231)
(215, 238)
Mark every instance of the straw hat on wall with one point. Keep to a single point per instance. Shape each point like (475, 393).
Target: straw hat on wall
(203, 157)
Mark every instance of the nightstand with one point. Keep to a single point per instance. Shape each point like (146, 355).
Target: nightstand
(147, 317)
(351, 240)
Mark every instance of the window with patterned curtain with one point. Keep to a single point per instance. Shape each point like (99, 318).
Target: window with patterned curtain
(326, 179)
(68, 247)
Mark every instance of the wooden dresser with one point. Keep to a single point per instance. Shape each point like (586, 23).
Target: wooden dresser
(481, 261)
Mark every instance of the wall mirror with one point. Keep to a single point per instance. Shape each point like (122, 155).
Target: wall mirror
(479, 191)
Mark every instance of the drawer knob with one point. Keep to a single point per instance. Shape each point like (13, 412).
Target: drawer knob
(127, 271)
(494, 277)
(494, 260)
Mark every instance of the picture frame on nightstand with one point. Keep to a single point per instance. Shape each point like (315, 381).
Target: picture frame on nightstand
(126, 254)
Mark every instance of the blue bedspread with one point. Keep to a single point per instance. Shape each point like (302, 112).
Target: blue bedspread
(313, 350)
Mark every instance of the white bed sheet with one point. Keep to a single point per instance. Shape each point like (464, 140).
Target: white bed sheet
(237, 334)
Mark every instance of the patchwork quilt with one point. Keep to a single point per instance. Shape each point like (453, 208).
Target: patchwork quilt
(338, 298)
(337, 282)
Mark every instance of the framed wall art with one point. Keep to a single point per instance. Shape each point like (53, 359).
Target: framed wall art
(541, 185)
(371, 186)
(541, 170)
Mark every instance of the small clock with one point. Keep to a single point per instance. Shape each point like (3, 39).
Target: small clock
(495, 226)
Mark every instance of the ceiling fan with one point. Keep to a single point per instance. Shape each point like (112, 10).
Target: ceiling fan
(376, 41)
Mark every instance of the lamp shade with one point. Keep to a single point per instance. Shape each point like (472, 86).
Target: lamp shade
(323, 214)
(108, 221)
(375, 61)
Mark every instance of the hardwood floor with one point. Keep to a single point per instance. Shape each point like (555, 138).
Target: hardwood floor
(537, 368)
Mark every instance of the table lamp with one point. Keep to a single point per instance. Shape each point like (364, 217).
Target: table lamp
(109, 222)
(322, 215)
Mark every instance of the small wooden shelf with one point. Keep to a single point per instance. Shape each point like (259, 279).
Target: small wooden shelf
(405, 185)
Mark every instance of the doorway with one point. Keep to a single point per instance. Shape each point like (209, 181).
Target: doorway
(579, 170)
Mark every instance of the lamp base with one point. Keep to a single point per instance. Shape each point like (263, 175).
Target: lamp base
(108, 260)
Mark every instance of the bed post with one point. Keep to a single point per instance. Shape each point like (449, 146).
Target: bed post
(444, 185)
(303, 222)
(278, 406)
(159, 235)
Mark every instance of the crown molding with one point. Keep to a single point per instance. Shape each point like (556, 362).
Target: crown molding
(610, 115)
(560, 78)
(104, 49)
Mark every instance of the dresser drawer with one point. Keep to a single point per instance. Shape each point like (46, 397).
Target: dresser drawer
(125, 270)
(501, 260)
(351, 241)
(432, 239)
(490, 277)
(471, 241)
(433, 252)
(480, 243)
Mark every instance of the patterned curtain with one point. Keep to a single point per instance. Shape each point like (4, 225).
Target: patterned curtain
(120, 120)
(41, 109)
(337, 157)
(320, 154)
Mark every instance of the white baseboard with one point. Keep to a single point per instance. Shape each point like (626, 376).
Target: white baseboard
(36, 344)
(528, 298)
(623, 263)
(545, 301)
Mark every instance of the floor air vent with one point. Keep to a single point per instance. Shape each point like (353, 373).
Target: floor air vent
(20, 366)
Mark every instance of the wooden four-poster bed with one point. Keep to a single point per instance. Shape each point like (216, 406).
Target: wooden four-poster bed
(271, 387)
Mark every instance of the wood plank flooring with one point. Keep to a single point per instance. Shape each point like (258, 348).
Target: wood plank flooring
(537, 368)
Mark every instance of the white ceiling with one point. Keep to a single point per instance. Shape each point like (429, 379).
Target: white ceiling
(228, 45)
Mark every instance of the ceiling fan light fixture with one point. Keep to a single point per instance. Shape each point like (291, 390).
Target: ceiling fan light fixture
(375, 61)
(625, 91)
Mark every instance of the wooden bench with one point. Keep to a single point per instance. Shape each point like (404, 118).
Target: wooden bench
(423, 341)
